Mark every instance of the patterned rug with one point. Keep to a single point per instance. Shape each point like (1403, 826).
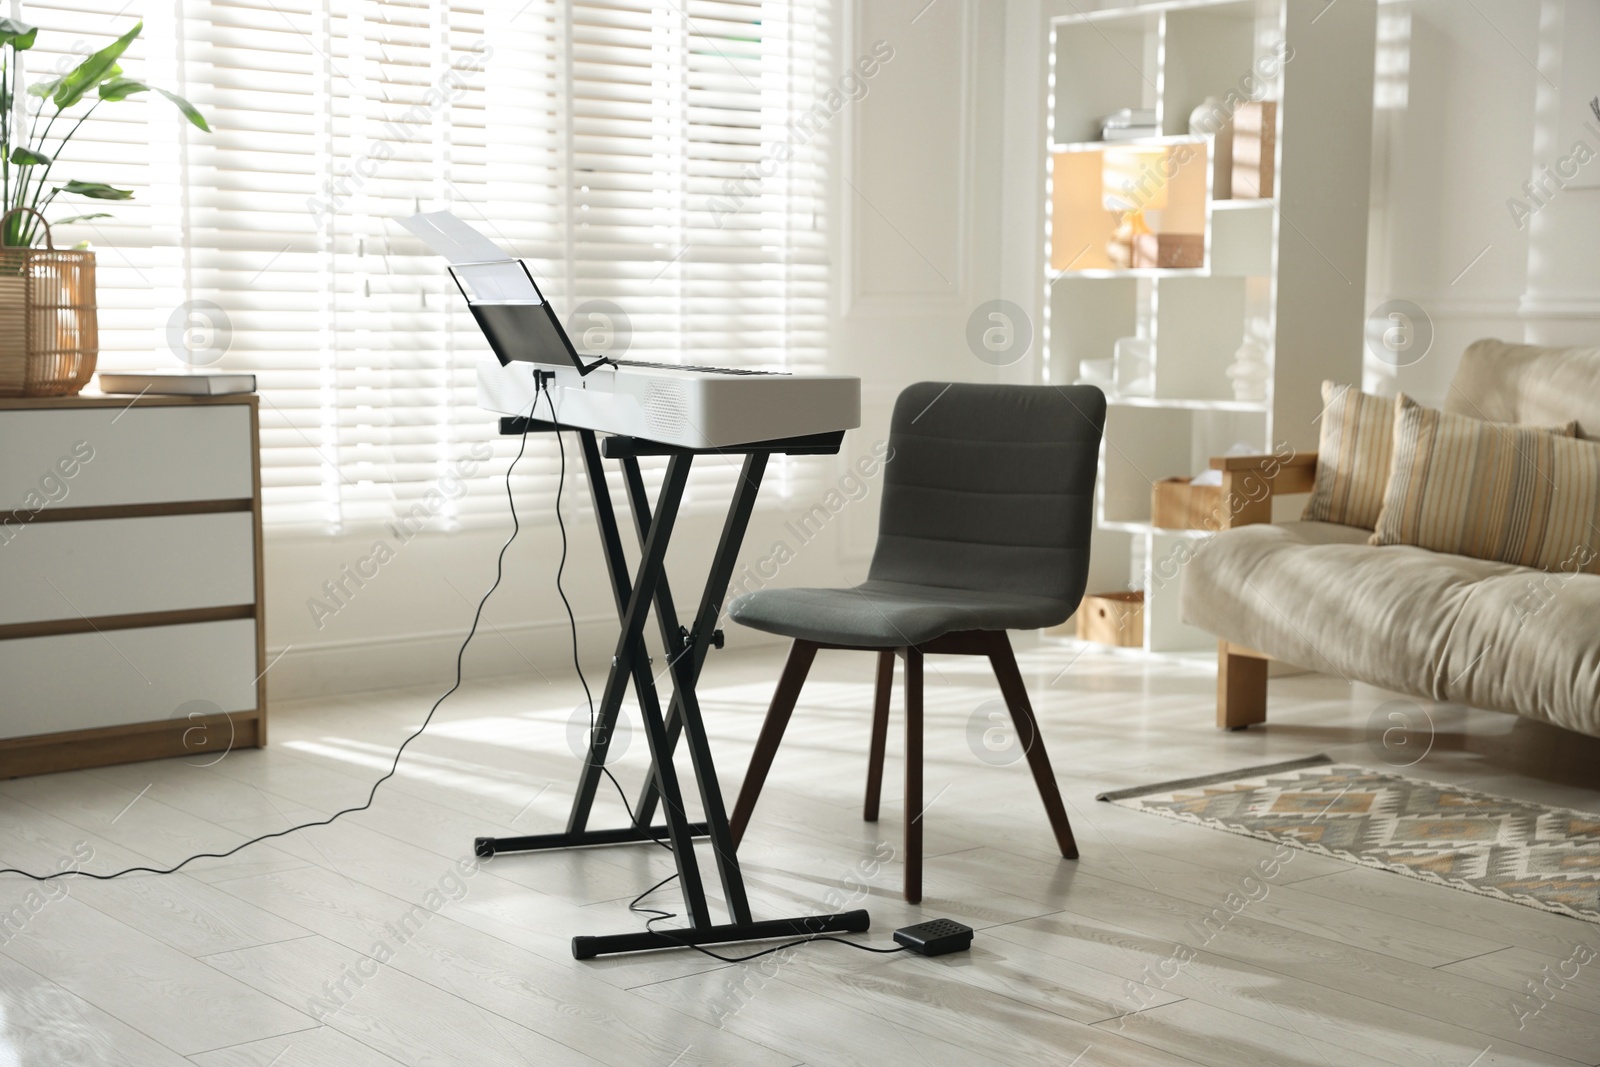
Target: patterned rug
(1532, 854)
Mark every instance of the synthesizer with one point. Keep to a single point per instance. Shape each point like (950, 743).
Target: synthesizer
(692, 407)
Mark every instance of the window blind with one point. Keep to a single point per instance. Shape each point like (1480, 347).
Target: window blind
(642, 155)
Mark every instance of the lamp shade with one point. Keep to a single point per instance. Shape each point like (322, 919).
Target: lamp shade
(1134, 179)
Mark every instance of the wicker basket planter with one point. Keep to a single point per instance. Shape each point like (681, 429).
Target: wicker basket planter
(49, 330)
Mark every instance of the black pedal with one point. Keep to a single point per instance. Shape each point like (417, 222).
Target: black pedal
(935, 937)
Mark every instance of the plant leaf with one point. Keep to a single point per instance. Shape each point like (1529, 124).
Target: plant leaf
(18, 35)
(81, 218)
(27, 157)
(121, 88)
(190, 112)
(97, 190)
(44, 87)
(93, 70)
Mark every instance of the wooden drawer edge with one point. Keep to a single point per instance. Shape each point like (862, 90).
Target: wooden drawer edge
(208, 738)
(127, 511)
(102, 400)
(138, 621)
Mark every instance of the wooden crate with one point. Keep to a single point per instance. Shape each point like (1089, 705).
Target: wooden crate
(1177, 505)
(1171, 251)
(1112, 619)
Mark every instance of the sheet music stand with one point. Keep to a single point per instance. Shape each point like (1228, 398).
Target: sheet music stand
(686, 647)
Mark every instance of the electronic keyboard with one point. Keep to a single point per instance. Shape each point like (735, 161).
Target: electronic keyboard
(692, 407)
(682, 406)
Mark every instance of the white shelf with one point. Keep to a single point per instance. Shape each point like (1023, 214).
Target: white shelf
(1134, 272)
(1155, 140)
(1305, 282)
(1186, 403)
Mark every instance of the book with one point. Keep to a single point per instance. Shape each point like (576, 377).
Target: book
(1129, 116)
(178, 384)
(1129, 133)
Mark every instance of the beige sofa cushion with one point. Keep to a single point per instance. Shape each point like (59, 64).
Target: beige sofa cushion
(1438, 626)
(1516, 494)
(1498, 381)
(1356, 439)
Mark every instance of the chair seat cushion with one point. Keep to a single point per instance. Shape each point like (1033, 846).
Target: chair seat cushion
(880, 614)
(1440, 626)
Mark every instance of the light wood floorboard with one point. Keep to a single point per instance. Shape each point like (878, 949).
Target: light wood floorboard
(1100, 962)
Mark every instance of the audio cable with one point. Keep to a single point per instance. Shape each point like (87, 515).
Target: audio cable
(499, 572)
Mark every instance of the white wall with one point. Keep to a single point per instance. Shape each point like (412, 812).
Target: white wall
(1452, 138)
(917, 208)
(1473, 99)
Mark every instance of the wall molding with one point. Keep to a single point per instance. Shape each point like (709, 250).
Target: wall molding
(1456, 306)
(1453, 307)
(388, 662)
(852, 300)
(1560, 307)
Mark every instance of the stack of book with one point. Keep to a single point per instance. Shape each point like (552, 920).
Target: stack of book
(178, 384)
(1129, 124)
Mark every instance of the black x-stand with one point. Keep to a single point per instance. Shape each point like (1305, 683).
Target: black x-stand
(686, 650)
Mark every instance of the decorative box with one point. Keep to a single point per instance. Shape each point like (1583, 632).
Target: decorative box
(1177, 250)
(1112, 619)
(1177, 505)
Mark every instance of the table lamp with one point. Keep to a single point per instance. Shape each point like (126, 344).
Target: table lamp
(1132, 181)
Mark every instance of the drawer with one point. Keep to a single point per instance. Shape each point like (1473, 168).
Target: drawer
(67, 570)
(100, 456)
(89, 680)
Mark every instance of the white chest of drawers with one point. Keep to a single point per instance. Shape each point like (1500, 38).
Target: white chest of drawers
(131, 622)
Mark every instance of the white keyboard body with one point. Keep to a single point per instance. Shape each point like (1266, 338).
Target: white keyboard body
(692, 409)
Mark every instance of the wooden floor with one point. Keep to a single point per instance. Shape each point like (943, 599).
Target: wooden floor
(375, 940)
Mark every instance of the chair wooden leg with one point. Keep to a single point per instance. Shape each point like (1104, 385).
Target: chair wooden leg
(913, 889)
(880, 733)
(795, 669)
(1004, 663)
(1241, 687)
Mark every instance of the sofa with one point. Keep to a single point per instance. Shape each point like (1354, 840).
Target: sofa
(1436, 626)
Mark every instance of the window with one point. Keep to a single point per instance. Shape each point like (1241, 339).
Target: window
(648, 153)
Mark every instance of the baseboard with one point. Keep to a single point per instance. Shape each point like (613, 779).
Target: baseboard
(423, 659)
(207, 738)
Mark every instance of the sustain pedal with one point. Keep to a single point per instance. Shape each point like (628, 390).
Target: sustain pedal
(935, 937)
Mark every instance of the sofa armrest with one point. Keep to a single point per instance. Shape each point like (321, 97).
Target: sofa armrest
(1250, 482)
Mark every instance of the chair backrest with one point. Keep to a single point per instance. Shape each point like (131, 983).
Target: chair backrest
(991, 488)
(1504, 382)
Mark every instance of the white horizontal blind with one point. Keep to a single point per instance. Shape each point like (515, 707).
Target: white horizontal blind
(612, 143)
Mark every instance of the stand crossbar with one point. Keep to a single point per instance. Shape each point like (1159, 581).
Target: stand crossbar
(635, 594)
(846, 922)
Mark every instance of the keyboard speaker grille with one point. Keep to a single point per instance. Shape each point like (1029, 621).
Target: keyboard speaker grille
(666, 408)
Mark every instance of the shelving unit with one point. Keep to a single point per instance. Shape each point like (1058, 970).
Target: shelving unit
(1296, 260)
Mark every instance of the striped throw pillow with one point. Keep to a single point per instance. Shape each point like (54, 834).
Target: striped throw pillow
(1352, 457)
(1517, 494)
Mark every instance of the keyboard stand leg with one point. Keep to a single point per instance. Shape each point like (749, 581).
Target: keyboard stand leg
(686, 657)
(635, 596)
(685, 706)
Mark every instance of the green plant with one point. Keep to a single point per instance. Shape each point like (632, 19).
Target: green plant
(28, 155)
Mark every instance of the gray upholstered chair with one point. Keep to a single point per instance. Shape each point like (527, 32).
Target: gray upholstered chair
(987, 510)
